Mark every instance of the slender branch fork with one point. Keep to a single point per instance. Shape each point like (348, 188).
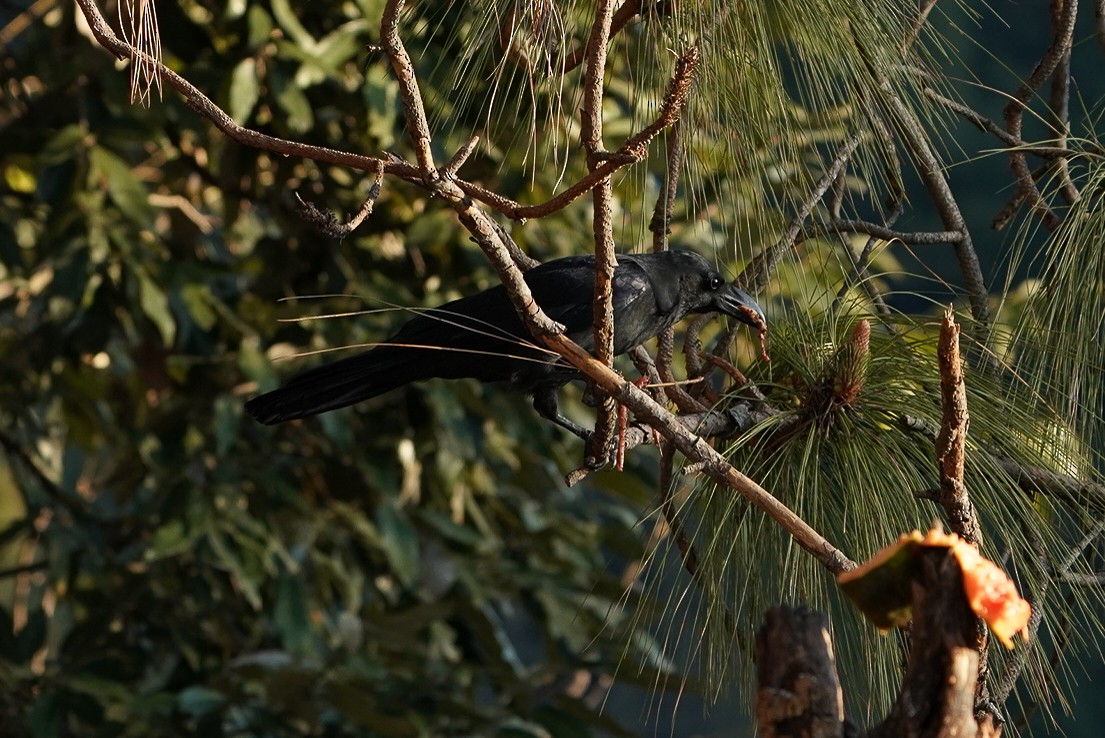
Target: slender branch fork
(462, 197)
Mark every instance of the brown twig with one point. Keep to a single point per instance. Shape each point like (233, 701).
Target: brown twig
(660, 226)
(756, 275)
(23, 21)
(951, 455)
(1062, 32)
(1060, 111)
(453, 165)
(918, 23)
(844, 225)
(413, 110)
(940, 192)
(602, 219)
(989, 126)
(951, 442)
(619, 21)
(327, 222)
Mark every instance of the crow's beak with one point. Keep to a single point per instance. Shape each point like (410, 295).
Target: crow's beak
(739, 304)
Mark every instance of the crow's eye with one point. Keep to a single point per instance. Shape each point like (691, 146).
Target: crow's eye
(713, 282)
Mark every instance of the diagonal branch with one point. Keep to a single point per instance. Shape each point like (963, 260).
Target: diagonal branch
(632, 150)
(940, 192)
(756, 275)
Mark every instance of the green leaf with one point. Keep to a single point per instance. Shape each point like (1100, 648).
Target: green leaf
(63, 145)
(126, 191)
(291, 613)
(18, 175)
(289, 23)
(155, 305)
(198, 701)
(292, 101)
(196, 299)
(400, 543)
(170, 539)
(244, 91)
(260, 26)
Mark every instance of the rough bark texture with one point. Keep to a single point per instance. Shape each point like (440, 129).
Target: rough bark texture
(798, 689)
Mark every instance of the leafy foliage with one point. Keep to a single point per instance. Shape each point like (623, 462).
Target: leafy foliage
(411, 567)
(415, 566)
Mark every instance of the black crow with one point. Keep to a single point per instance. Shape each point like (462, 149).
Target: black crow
(482, 337)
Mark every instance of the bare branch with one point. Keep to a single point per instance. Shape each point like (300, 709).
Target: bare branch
(413, 109)
(619, 21)
(602, 223)
(951, 442)
(326, 222)
(660, 227)
(989, 126)
(453, 165)
(756, 275)
(940, 192)
(1060, 110)
(843, 225)
(1063, 31)
(918, 23)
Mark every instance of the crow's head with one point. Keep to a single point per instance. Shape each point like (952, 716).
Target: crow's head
(704, 290)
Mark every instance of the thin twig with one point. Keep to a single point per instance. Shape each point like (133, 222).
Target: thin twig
(940, 192)
(918, 23)
(602, 219)
(1060, 113)
(1063, 30)
(619, 21)
(989, 126)
(660, 226)
(844, 225)
(951, 442)
(453, 165)
(756, 275)
(326, 222)
(951, 455)
(414, 111)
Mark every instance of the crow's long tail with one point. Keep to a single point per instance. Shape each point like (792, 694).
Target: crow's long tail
(331, 386)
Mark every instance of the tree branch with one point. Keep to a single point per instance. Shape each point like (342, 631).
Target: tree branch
(602, 224)
(951, 442)
(1014, 109)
